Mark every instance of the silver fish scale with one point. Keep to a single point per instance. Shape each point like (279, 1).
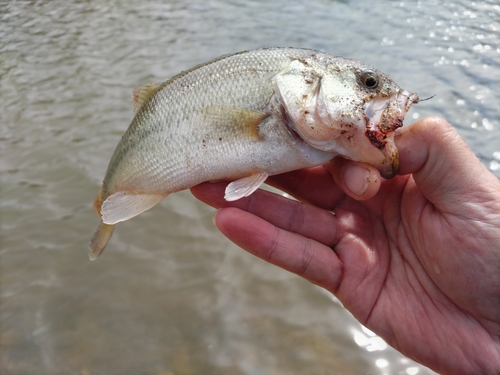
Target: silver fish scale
(244, 117)
(186, 133)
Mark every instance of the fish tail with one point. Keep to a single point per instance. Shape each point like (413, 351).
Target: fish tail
(100, 240)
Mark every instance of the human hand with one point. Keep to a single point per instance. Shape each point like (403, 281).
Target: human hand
(416, 259)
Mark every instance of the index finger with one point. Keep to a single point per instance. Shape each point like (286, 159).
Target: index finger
(289, 215)
(327, 185)
(313, 185)
(293, 252)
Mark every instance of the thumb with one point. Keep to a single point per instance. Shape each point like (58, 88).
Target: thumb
(361, 181)
(444, 168)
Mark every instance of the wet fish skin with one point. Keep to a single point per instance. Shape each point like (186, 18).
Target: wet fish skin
(244, 117)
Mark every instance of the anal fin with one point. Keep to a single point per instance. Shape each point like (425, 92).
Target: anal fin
(124, 205)
(244, 186)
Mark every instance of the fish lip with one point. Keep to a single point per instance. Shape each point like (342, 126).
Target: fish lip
(383, 117)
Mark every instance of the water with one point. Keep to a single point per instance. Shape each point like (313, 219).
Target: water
(170, 295)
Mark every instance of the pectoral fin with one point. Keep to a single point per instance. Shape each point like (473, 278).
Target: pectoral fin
(243, 121)
(244, 186)
(124, 205)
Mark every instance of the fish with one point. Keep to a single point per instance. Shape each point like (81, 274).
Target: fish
(246, 116)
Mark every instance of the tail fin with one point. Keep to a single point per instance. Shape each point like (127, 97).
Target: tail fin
(117, 207)
(100, 240)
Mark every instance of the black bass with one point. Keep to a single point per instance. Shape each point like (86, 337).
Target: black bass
(244, 117)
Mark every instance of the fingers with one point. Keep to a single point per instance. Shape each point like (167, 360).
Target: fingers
(290, 234)
(283, 213)
(212, 193)
(303, 256)
(360, 181)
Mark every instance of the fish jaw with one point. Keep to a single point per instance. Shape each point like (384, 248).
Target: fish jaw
(383, 117)
(371, 140)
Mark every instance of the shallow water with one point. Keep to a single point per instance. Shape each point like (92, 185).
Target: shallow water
(170, 295)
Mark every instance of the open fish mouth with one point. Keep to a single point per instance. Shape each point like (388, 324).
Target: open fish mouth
(384, 117)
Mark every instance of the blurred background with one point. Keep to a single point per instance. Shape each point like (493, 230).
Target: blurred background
(170, 295)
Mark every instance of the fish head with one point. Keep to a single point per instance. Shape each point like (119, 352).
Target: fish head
(348, 108)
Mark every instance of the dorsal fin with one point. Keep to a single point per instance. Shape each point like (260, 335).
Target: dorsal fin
(141, 94)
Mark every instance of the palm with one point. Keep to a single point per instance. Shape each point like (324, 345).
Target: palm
(403, 277)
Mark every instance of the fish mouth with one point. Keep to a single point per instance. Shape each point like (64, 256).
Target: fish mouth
(383, 117)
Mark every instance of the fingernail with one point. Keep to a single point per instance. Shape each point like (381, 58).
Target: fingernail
(356, 179)
(214, 219)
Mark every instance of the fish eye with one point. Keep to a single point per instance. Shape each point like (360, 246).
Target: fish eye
(370, 80)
